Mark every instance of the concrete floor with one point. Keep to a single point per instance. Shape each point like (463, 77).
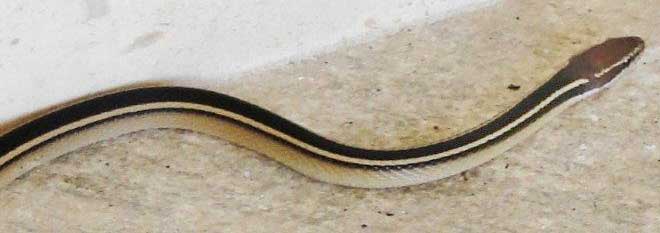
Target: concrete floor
(596, 168)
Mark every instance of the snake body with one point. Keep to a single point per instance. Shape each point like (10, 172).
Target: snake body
(79, 124)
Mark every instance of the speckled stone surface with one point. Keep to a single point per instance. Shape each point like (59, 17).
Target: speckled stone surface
(596, 168)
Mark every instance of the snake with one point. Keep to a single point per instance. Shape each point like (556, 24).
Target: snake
(55, 133)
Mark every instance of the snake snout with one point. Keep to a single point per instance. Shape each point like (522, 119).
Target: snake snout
(601, 63)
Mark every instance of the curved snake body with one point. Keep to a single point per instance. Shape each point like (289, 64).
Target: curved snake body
(88, 121)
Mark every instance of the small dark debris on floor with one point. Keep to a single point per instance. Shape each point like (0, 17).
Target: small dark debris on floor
(389, 214)
(513, 87)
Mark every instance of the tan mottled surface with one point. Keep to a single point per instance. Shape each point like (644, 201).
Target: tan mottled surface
(596, 168)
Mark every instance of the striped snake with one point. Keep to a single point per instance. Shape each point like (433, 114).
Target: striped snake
(55, 133)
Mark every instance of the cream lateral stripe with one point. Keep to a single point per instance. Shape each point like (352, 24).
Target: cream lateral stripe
(624, 60)
(66, 128)
(501, 131)
(400, 162)
(179, 105)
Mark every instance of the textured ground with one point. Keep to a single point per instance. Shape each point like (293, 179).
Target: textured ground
(596, 168)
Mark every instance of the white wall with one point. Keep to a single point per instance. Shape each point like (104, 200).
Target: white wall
(55, 50)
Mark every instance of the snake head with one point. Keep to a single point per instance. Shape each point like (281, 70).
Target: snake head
(602, 63)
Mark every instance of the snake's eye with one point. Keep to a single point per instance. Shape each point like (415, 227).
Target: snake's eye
(601, 63)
